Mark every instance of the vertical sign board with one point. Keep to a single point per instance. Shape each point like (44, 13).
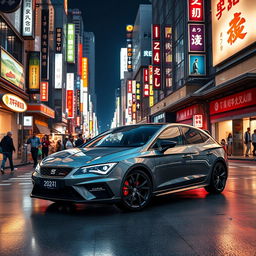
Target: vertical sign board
(44, 44)
(28, 19)
(34, 71)
(129, 99)
(133, 100)
(151, 91)
(71, 43)
(138, 96)
(79, 59)
(58, 70)
(198, 121)
(196, 10)
(78, 96)
(58, 40)
(168, 56)
(85, 71)
(44, 91)
(70, 95)
(196, 38)
(156, 55)
(146, 82)
(129, 30)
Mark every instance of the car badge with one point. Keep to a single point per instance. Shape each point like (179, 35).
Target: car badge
(53, 171)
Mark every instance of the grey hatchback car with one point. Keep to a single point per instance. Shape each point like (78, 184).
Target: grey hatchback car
(131, 164)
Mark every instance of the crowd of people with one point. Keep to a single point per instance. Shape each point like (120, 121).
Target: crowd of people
(39, 148)
(249, 139)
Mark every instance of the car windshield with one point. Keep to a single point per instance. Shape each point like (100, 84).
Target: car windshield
(129, 136)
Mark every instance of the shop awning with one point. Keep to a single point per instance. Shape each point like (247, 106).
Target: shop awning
(43, 129)
(42, 109)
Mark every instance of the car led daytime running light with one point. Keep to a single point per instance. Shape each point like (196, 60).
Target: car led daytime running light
(101, 169)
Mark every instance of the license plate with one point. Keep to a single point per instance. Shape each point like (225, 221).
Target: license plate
(50, 184)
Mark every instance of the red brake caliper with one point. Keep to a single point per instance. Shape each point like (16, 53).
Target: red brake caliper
(125, 188)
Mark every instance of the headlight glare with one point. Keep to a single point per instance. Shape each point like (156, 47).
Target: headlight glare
(101, 169)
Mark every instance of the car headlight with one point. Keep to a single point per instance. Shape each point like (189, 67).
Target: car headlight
(38, 168)
(102, 169)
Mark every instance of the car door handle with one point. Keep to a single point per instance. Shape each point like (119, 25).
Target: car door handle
(209, 153)
(187, 156)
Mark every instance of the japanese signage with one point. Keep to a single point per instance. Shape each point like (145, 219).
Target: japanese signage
(28, 121)
(44, 44)
(58, 39)
(71, 43)
(196, 37)
(196, 10)
(156, 57)
(168, 56)
(235, 101)
(138, 97)
(150, 81)
(232, 28)
(12, 70)
(58, 70)
(79, 59)
(129, 101)
(129, 30)
(146, 82)
(34, 71)
(85, 72)
(197, 65)
(198, 121)
(188, 113)
(44, 91)
(9, 5)
(70, 95)
(134, 107)
(42, 109)
(123, 62)
(14, 103)
(28, 21)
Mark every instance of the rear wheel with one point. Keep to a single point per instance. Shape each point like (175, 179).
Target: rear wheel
(136, 191)
(218, 179)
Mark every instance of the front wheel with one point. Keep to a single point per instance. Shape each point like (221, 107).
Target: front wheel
(136, 191)
(218, 179)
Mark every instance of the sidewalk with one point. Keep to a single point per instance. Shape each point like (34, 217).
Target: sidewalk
(242, 158)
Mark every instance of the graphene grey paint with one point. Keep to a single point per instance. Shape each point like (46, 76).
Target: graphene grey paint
(179, 168)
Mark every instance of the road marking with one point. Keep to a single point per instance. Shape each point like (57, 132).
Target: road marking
(5, 184)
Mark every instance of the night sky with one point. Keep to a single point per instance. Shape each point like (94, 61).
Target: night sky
(108, 20)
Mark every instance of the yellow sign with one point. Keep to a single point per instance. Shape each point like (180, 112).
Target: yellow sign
(14, 103)
(85, 72)
(233, 27)
(151, 96)
(34, 71)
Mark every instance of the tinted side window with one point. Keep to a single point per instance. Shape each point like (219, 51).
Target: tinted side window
(192, 136)
(173, 134)
(204, 136)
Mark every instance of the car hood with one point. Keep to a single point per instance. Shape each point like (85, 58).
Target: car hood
(78, 157)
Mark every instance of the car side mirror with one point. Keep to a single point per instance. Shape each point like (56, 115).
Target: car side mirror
(163, 145)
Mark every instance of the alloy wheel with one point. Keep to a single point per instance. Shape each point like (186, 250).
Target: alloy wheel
(136, 190)
(219, 177)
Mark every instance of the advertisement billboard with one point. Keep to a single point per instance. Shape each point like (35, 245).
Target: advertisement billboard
(44, 44)
(197, 65)
(196, 37)
(71, 43)
(85, 71)
(44, 91)
(34, 71)
(233, 27)
(58, 70)
(70, 95)
(12, 70)
(196, 10)
(58, 42)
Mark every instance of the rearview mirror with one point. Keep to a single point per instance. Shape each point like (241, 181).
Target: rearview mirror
(163, 145)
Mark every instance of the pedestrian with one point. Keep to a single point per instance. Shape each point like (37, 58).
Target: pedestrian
(35, 144)
(7, 150)
(58, 146)
(254, 142)
(223, 144)
(229, 142)
(65, 142)
(45, 146)
(79, 141)
(69, 143)
(247, 141)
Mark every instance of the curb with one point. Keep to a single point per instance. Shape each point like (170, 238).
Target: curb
(243, 159)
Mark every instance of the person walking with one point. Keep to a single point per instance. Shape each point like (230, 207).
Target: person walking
(7, 150)
(45, 146)
(254, 142)
(247, 141)
(229, 144)
(79, 141)
(35, 143)
(58, 146)
(69, 143)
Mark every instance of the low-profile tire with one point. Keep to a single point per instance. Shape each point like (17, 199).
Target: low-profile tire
(136, 191)
(218, 179)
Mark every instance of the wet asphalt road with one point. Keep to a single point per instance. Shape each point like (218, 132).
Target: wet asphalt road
(187, 223)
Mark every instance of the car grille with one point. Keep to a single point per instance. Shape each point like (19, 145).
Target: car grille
(58, 171)
(65, 193)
